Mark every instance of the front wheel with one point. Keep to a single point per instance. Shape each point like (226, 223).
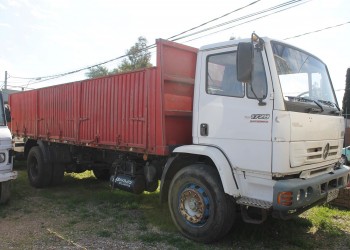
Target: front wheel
(198, 205)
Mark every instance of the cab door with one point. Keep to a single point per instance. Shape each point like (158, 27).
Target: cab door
(229, 115)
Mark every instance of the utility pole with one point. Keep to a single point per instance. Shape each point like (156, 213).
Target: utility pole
(5, 83)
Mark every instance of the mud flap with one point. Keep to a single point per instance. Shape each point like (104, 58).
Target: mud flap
(4, 191)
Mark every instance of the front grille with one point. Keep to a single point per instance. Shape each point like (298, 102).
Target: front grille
(314, 153)
(310, 152)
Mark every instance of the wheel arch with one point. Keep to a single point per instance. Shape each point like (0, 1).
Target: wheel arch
(187, 155)
(28, 145)
(43, 147)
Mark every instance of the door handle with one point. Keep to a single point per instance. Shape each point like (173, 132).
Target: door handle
(204, 129)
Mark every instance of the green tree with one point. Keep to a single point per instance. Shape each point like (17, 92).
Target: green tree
(138, 57)
(97, 71)
(346, 98)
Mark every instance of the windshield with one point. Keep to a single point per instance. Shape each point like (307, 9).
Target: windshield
(303, 77)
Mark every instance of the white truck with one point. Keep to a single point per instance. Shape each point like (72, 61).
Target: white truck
(266, 117)
(6, 154)
(244, 124)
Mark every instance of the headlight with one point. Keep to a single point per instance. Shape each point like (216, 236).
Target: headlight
(2, 157)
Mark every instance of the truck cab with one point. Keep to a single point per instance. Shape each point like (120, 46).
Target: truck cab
(6, 154)
(266, 116)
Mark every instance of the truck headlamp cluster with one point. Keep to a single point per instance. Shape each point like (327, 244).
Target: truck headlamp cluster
(286, 198)
(2, 157)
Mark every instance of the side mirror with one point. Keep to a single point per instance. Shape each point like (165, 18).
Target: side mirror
(7, 113)
(244, 62)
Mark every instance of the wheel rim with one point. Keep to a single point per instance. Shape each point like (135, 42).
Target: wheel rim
(194, 204)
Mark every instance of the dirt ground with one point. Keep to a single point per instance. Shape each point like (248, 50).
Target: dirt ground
(65, 218)
(24, 232)
(86, 214)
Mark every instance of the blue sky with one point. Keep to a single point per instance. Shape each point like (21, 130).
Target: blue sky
(48, 37)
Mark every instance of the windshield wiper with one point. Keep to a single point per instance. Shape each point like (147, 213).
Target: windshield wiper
(332, 105)
(317, 103)
(303, 99)
(328, 103)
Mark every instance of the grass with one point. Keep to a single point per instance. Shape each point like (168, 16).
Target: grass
(86, 210)
(104, 233)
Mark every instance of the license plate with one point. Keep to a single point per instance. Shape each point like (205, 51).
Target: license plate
(332, 195)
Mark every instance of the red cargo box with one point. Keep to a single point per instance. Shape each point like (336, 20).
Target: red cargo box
(145, 111)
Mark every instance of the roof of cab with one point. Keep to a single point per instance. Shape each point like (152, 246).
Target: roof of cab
(229, 43)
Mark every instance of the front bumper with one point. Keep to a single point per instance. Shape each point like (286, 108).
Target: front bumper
(294, 196)
(8, 176)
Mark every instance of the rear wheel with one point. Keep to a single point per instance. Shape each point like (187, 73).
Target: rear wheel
(39, 172)
(198, 205)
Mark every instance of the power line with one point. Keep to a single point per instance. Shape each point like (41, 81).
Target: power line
(215, 19)
(13, 86)
(242, 18)
(58, 76)
(172, 38)
(50, 77)
(14, 82)
(23, 78)
(251, 20)
(315, 31)
(46, 78)
(82, 69)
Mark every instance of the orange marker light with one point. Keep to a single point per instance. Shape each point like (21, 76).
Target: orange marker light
(285, 198)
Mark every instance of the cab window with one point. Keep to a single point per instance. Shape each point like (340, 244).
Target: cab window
(222, 76)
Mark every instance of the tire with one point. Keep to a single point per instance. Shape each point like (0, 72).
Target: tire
(39, 172)
(102, 174)
(198, 205)
(5, 192)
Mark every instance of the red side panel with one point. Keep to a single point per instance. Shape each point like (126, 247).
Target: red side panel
(58, 110)
(114, 111)
(145, 111)
(177, 77)
(24, 114)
